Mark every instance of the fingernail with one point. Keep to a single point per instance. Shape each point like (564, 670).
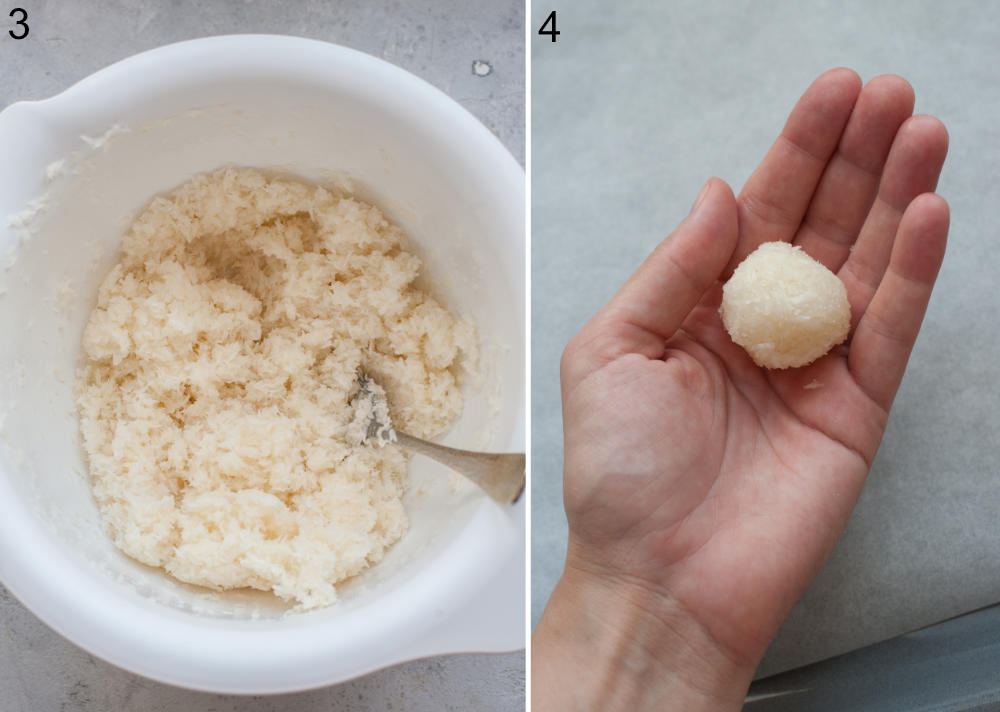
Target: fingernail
(702, 195)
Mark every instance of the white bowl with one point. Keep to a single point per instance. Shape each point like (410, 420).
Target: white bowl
(97, 153)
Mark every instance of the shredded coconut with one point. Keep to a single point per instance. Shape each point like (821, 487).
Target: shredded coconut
(56, 169)
(65, 298)
(220, 362)
(784, 308)
(33, 209)
(103, 140)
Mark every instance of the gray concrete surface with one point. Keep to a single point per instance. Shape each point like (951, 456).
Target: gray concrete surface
(634, 107)
(442, 41)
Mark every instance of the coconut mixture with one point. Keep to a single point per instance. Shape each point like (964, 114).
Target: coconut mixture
(785, 308)
(219, 367)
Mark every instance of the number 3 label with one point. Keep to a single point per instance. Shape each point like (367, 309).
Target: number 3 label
(21, 22)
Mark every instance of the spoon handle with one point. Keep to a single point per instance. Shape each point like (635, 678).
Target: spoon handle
(500, 475)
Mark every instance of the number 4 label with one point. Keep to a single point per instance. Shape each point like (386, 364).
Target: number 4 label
(549, 26)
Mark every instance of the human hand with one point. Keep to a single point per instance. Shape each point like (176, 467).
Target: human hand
(703, 493)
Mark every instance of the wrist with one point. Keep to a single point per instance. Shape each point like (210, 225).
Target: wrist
(606, 643)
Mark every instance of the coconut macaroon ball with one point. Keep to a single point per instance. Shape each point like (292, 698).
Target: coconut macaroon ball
(784, 307)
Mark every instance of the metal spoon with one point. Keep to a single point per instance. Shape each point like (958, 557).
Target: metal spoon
(500, 475)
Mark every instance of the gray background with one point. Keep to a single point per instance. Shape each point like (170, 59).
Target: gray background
(437, 40)
(634, 107)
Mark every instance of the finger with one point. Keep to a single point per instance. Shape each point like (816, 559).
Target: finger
(775, 197)
(912, 169)
(653, 303)
(885, 335)
(849, 184)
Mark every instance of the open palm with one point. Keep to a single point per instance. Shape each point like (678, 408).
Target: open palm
(694, 474)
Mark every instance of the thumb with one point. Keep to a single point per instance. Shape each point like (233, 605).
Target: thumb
(656, 299)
